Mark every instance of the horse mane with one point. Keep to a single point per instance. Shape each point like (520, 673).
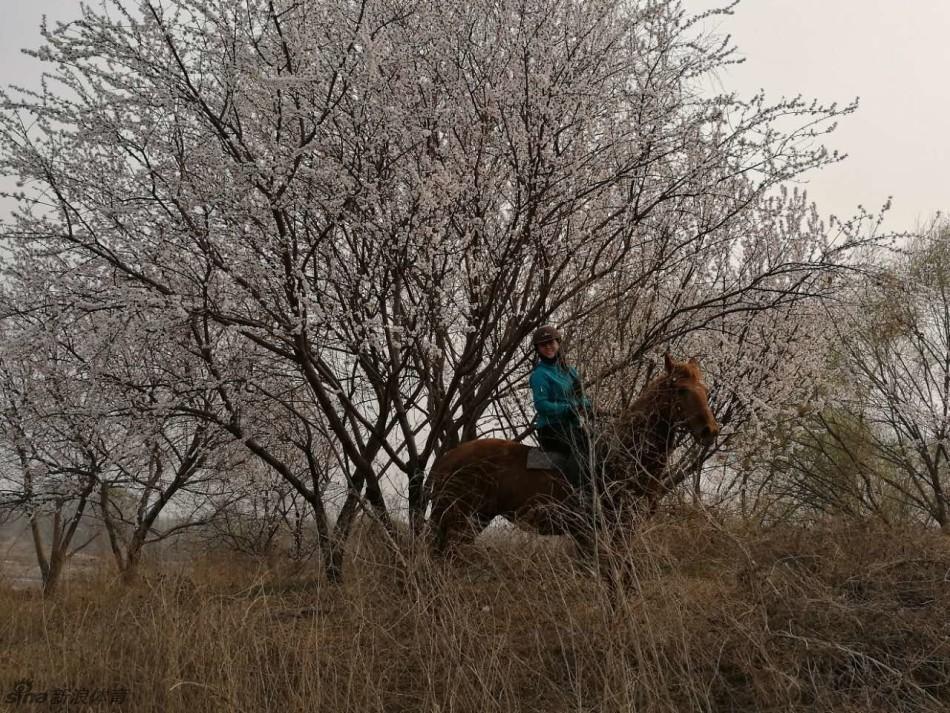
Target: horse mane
(641, 428)
(658, 389)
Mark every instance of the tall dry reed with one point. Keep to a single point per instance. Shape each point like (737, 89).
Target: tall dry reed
(716, 618)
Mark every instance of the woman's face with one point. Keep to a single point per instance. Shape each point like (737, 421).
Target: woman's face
(549, 349)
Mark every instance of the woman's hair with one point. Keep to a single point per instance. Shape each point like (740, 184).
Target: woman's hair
(558, 358)
(577, 388)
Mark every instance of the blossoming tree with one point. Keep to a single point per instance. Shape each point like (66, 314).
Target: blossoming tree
(376, 202)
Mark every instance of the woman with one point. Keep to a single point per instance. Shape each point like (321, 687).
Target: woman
(559, 402)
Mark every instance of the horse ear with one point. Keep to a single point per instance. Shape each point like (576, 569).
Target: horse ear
(668, 361)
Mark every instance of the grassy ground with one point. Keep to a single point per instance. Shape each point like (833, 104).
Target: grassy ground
(719, 618)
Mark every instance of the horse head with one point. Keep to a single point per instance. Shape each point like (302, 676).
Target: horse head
(689, 400)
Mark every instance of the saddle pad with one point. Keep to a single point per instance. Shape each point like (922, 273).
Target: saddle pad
(546, 460)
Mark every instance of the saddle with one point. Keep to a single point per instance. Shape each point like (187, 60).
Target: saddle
(540, 459)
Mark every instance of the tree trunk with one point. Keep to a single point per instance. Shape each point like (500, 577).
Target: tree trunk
(114, 538)
(39, 548)
(333, 556)
(53, 574)
(132, 559)
(417, 500)
(51, 568)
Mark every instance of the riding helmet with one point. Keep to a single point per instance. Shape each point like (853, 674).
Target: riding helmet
(544, 334)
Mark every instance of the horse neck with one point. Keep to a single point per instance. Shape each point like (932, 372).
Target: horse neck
(648, 432)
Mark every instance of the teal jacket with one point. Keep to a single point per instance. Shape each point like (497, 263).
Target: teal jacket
(554, 395)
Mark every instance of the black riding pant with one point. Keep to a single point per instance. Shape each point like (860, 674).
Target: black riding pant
(573, 442)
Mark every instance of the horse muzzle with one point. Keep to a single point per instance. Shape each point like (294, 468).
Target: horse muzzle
(706, 434)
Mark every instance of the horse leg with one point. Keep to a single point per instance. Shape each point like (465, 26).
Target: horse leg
(621, 570)
(473, 527)
(613, 566)
(442, 524)
(585, 546)
(455, 527)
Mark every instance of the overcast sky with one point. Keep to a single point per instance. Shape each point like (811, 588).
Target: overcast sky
(894, 55)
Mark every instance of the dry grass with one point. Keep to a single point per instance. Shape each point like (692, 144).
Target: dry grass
(719, 619)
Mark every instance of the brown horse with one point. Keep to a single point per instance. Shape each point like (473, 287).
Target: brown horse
(483, 479)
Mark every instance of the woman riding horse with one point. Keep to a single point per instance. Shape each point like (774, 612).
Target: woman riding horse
(560, 405)
(481, 479)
